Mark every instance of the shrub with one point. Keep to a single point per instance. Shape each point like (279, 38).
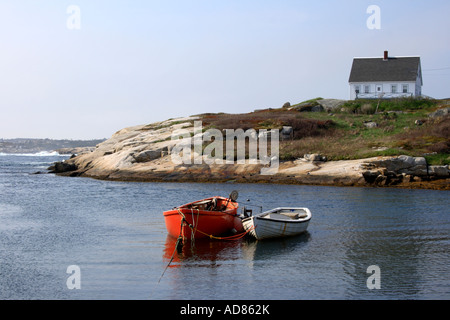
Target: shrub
(309, 127)
(368, 108)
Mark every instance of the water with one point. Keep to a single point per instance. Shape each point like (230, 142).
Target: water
(115, 233)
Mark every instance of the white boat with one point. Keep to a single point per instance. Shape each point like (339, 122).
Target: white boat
(279, 222)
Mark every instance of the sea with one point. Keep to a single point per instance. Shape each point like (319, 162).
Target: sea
(74, 238)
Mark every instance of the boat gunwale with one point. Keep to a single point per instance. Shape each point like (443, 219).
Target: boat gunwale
(208, 199)
(263, 215)
(284, 221)
(186, 210)
(201, 212)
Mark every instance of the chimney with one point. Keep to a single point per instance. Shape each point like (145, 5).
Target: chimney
(386, 56)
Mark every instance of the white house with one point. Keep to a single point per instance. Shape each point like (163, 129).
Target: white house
(385, 77)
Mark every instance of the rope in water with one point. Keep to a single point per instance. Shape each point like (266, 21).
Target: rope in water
(233, 237)
(173, 254)
(194, 229)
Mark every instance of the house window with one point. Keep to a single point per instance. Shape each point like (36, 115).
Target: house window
(379, 88)
(357, 89)
(394, 88)
(405, 88)
(366, 89)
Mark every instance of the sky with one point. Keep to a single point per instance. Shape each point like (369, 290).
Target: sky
(84, 69)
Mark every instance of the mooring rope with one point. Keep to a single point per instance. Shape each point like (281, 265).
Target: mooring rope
(171, 259)
(195, 229)
(232, 238)
(176, 248)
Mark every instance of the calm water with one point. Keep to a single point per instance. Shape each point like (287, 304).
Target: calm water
(115, 233)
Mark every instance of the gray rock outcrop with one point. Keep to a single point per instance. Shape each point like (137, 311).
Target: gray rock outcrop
(330, 105)
(396, 170)
(443, 112)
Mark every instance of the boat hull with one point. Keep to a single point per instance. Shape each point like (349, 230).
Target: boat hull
(262, 227)
(193, 221)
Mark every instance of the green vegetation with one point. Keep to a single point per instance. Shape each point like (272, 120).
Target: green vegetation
(401, 104)
(402, 128)
(438, 159)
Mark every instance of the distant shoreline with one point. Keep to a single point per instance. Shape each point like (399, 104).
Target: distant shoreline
(29, 146)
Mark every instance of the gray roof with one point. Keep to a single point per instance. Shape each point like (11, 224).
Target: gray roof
(377, 69)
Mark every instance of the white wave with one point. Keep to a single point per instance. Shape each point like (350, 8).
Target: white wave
(37, 154)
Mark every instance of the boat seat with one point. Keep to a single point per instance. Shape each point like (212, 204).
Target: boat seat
(294, 215)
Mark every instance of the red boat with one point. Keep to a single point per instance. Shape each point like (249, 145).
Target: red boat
(208, 218)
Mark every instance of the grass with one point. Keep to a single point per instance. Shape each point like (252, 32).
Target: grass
(343, 135)
(438, 159)
(400, 104)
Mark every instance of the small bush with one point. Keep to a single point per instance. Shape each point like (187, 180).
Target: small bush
(309, 127)
(431, 137)
(440, 147)
(368, 108)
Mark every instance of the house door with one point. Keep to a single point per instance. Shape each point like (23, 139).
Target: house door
(379, 90)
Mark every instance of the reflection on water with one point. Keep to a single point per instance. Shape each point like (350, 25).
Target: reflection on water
(206, 250)
(271, 248)
(232, 269)
(214, 251)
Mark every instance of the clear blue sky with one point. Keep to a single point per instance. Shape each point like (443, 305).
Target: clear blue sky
(138, 62)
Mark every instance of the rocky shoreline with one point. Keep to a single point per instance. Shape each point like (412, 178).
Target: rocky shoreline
(143, 153)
